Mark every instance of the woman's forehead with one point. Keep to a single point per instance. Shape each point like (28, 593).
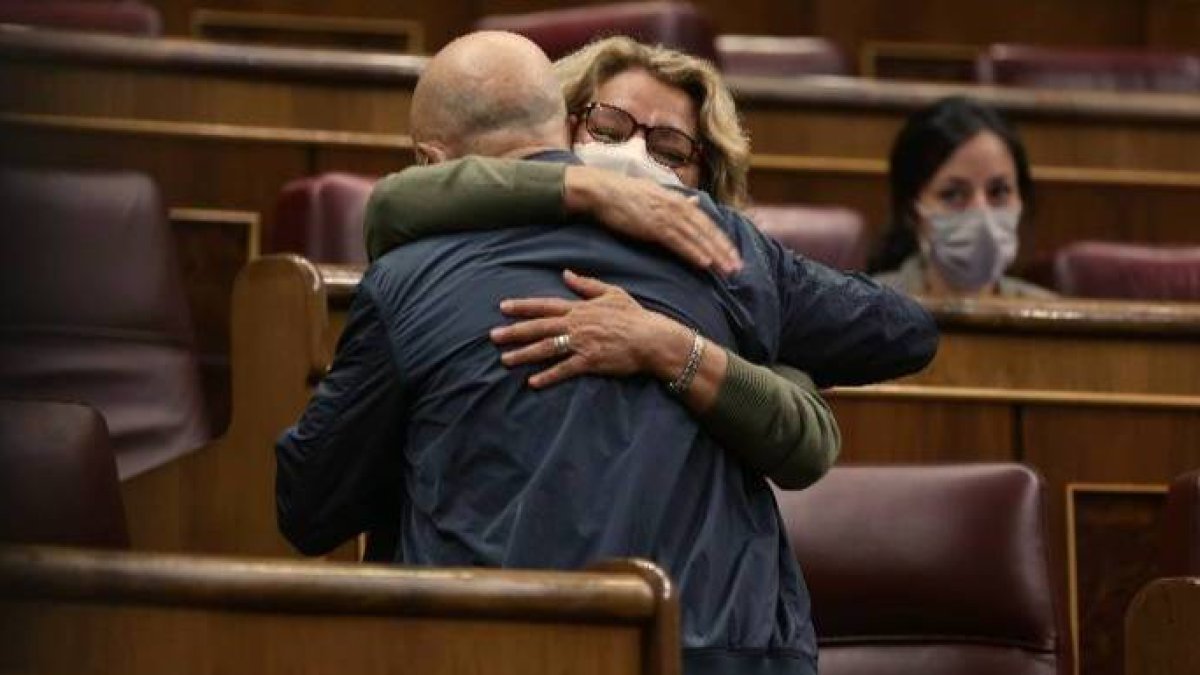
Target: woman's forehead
(649, 99)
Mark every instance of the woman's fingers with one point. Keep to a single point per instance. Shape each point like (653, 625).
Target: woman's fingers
(532, 308)
(559, 372)
(542, 350)
(587, 287)
(529, 331)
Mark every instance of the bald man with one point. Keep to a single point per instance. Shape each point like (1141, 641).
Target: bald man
(420, 429)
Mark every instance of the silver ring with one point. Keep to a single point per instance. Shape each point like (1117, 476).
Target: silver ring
(562, 343)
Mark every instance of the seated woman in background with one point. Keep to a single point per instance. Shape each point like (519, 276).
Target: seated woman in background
(959, 181)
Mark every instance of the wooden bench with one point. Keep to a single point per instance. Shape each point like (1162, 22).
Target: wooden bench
(1161, 628)
(1107, 447)
(64, 610)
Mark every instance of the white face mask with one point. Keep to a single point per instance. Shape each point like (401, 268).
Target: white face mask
(971, 249)
(629, 158)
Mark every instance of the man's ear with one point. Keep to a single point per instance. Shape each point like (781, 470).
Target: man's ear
(430, 153)
(572, 126)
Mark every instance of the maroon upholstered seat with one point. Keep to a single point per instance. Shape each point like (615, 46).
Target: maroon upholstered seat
(94, 309)
(678, 25)
(770, 56)
(829, 234)
(1181, 535)
(125, 17)
(1111, 69)
(58, 477)
(320, 217)
(1095, 269)
(930, 570)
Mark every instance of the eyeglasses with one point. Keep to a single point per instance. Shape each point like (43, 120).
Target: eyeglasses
(667, 145)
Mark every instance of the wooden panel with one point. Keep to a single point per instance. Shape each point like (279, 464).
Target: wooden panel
(1064, 363)
(1114, 530)
(920, 432)
(212, 247)
(441, 20)
(62, 610)
(296, 30)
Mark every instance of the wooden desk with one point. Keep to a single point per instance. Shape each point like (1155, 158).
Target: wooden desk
(64, 610)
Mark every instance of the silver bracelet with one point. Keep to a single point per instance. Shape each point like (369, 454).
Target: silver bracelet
(681, 383)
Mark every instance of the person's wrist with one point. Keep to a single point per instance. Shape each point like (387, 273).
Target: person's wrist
(580, 189)
(667, 349)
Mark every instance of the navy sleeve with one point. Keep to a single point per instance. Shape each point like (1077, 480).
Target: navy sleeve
(340, 468)
(847, 329)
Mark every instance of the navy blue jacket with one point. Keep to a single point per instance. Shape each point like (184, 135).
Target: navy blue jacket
(419, 429)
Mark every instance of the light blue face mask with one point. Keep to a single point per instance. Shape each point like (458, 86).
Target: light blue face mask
(971, 249)
(629, 158)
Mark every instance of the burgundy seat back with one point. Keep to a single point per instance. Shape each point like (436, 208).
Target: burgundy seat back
(321, 218)
(94, 311)
(58, 477)
(124, 17)
(770, 56)
(931, 570)
(829, 234)
(1111, 69)
(677, 25)
(1181, 536)
(1094, 269)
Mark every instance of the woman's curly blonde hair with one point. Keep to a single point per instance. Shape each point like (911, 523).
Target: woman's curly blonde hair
(726, 148)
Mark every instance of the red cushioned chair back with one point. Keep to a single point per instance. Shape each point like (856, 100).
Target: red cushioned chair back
(320, 217)
(829, 234)
(931, 570)
(58, 477)
(770, 56)
(677, 25)
(1095, 269)
(94, 310)
(124, 17)
(1181, 531)
(1110, 69)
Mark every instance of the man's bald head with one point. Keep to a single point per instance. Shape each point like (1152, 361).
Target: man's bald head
(488, 93)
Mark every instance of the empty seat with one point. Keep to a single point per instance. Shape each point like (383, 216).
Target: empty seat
(832, 235)
(58, 477)
(677, 25)
(1094, 269)
(1111, 69)
(94, 309)
(770, 56)
(931, 570)
(321, 218)
(1181, 527)
(125, 17)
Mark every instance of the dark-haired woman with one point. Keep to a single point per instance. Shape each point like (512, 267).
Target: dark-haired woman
(960, 181)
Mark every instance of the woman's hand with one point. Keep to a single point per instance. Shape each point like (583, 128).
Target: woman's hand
(642, 209)
(607, 333)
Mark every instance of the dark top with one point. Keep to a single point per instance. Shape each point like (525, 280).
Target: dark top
(419, 428)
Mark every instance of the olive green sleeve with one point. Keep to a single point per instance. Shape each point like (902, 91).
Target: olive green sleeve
(774, 420)
(463, 194)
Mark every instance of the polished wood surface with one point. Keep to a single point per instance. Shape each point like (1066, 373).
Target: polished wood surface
(1160, 629)
(63, 609)
(1160, 24)
(1108, 166)
(298, 30)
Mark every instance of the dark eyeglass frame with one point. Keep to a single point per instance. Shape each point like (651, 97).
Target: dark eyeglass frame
(649, 133)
